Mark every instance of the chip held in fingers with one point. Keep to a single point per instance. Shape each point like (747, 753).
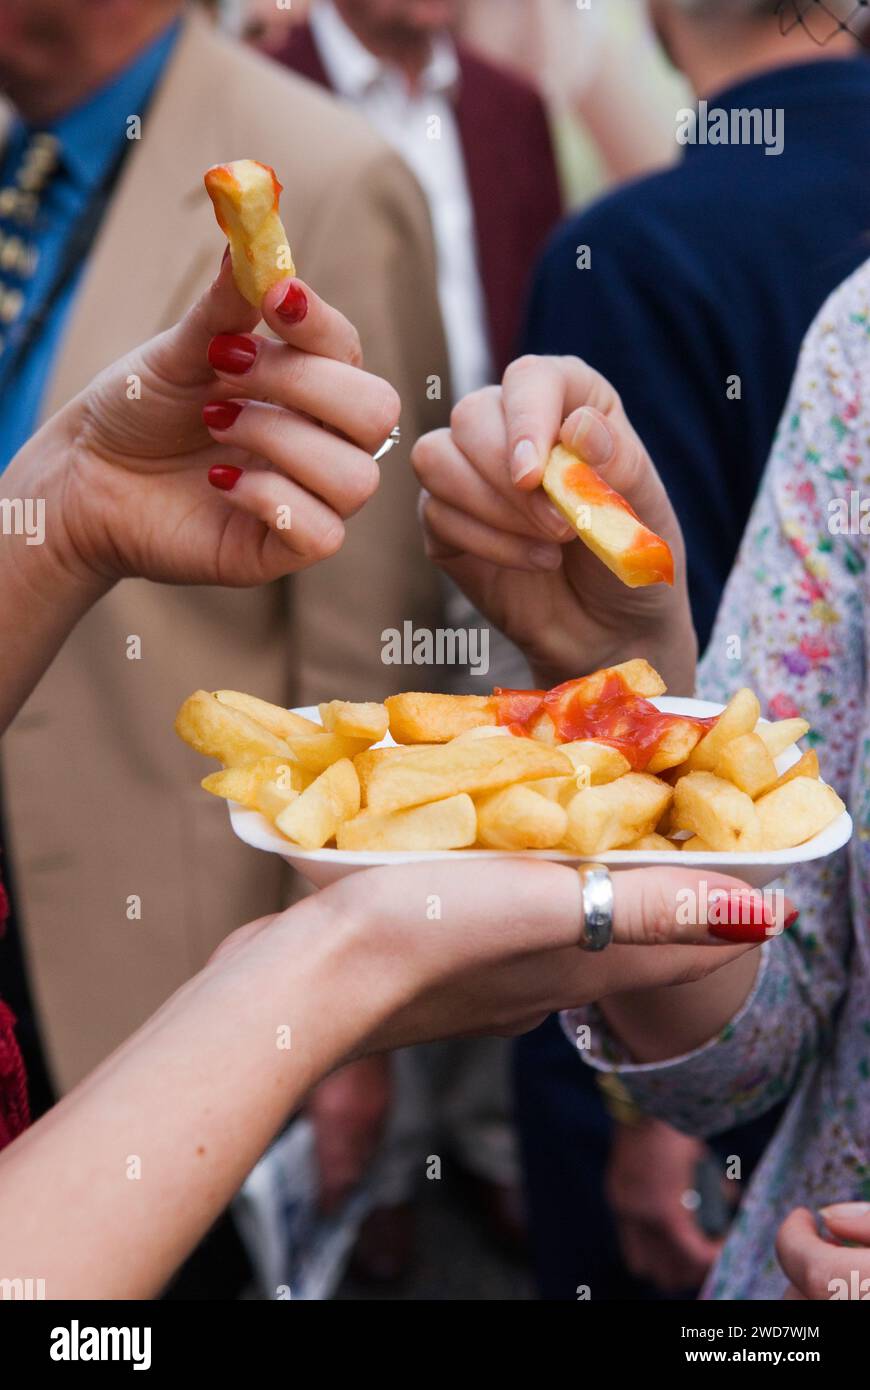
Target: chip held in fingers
(606, 523)
(245, 196)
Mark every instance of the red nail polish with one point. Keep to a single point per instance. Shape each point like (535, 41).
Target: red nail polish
(293, 306)
(232, 352)
(224, 477)
(219, 415)
(740, 917)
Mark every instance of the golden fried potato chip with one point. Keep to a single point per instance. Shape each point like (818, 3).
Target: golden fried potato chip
(675, 746)
(746, 762)
(739, 716)
(807, 765)
(782, 734)
(266, 786)
(369, 721)
(245, 195)
(796, 811)
(439, 825)
(221, 732)
(515, 818)
(420, 718)
(603, 762)
(560, 789)
(319, 751)
(431, 774)
(316, 814)
(653, 842)
(617, 814)
(695, 845)
(719, 812)
(278, 721)
(605, 522)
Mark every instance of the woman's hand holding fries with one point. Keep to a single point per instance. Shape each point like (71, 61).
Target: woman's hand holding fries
(209, 456)
(361, 967)
(506, 950)
(283, 431)
(490, 526)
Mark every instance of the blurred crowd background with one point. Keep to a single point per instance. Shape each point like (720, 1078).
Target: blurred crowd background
(544, 108)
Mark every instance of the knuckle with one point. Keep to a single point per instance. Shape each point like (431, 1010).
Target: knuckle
(331, 539)
(354, 348)
(427, 452)
(364, 484)
(657, 917)
(385, 410)
(466, 412)
(519, 367)
(294, 369)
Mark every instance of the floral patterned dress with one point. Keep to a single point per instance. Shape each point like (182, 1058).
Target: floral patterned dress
(794, 625)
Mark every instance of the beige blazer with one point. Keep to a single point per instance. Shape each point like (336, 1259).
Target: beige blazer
(126, 872)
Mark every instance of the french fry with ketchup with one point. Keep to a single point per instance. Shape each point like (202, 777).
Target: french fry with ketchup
(606, 523)
(416, 717)
(245, 196)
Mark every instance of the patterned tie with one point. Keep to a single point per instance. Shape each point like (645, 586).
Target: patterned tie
(19, 209)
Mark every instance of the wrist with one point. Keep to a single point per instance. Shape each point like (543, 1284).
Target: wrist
(357, 960)
(50, 565)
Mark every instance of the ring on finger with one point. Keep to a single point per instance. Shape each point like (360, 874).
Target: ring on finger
(596, 892)
(389, 443)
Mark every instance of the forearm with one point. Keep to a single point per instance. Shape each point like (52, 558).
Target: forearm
(657, 1024)
(108, 1193)
(45, 588)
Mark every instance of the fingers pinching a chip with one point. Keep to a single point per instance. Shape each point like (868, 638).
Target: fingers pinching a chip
(245, 195)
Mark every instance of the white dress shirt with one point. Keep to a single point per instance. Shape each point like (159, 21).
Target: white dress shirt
(421, 126)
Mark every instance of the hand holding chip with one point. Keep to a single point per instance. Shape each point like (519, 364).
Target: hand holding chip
(283, 428)
(491, 525)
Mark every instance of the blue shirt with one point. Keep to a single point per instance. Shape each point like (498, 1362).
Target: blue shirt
(710, 270)
(91, 139)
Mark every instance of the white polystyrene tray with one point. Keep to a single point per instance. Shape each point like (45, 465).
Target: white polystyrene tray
(324, 866)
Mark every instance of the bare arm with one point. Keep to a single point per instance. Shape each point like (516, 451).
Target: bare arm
(655, 1024)
(45, 591)
(107, 1194)
(159, 1138)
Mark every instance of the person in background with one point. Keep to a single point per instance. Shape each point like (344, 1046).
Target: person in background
(479, 142)
(112, 106)
(609, 89)
(792, 626)
(692, 296)
(456, 119)
(788, 1028)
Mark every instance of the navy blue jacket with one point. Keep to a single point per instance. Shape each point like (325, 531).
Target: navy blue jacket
(712, 269)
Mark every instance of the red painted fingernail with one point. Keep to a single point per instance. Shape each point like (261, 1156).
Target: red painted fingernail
(293, 305)
(232, 352)
(219, 415)
(740, 917)
(224, 477)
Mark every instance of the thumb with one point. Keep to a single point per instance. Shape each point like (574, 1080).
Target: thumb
(180, 355)
(849, 1221)
(533, 399)
(672, 905)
